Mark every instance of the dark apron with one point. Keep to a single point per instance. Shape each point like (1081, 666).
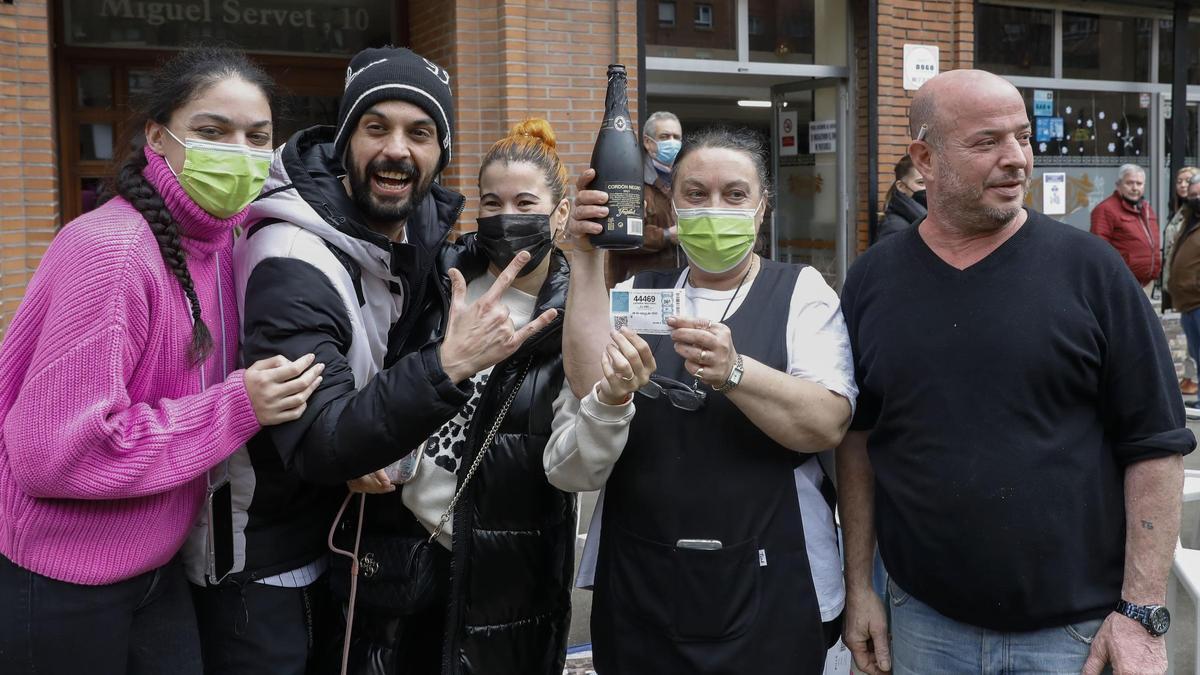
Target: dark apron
(749, 607)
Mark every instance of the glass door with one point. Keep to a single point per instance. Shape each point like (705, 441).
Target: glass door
(809, 136)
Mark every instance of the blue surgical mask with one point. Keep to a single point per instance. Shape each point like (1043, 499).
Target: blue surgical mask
(667, 150)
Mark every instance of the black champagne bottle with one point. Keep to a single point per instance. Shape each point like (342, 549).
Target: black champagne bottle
(617, 159)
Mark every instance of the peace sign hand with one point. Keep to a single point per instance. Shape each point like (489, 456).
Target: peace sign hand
(481, 334)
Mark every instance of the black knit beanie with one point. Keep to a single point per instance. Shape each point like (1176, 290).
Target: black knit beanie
(391, 74)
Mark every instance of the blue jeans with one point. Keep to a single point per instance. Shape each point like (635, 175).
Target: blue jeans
(925, 642)
(1190, 322)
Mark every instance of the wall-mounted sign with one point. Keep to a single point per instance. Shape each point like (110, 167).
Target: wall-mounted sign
(1143, 100)
(822, 137)
(1043, 102)
(920, 65)
(317, 27)
(787, 134)
(1054, 194)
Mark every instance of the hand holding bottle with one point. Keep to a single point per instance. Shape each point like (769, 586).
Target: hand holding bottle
(589, 206)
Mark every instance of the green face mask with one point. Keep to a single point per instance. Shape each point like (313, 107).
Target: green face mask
(222, 178)
(716, 240)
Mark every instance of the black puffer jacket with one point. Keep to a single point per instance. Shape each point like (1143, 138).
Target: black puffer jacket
(513, 547)
(902, 213)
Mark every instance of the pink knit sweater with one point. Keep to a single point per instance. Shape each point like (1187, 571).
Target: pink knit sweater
(105, 434)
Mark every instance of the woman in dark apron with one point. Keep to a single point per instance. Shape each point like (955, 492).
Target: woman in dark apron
(703, 565)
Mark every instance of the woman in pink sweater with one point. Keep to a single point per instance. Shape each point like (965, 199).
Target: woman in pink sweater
(117, 403)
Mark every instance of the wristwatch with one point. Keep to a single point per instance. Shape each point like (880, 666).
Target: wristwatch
(1155, 618)
(735, 376)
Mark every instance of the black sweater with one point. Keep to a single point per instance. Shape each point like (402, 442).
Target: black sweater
(1004, 403)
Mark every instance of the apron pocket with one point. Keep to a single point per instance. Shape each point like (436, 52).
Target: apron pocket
(640, 578)
(716, 592)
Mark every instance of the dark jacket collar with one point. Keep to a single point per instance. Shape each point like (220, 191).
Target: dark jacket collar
(469, 258)
(906, 207)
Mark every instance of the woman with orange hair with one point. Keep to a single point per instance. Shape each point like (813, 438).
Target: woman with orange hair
(505, 568)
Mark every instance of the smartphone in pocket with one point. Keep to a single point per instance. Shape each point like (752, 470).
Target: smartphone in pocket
(220, 531)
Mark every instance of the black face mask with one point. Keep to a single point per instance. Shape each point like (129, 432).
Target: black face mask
(919, 197)
(1194, 204)
(502, 237)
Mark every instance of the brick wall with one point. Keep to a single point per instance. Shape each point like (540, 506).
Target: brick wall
(28, 174)
(518, 58)
(949, 24)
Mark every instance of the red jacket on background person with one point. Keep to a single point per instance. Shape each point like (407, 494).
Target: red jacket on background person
(1133, 231)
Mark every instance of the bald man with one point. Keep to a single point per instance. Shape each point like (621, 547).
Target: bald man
(1019, 435)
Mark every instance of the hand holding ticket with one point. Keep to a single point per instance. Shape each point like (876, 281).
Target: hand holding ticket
(644, 310)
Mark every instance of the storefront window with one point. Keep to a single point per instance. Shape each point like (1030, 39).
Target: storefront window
(1086, 135)
(1014, 40)
(286, 26)
(689, 29)
(1166, 52)
(1099, 47)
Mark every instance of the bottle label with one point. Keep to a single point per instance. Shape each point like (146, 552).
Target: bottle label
(624, 200)
(618, 122)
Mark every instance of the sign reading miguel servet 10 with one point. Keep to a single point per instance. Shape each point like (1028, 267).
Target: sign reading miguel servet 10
(286, 26)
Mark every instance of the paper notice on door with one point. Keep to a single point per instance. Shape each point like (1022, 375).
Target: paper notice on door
(1054, 194)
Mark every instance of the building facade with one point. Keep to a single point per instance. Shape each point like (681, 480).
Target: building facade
(823, 79)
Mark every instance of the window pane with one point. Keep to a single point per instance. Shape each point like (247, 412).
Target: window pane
(782, 30)
(91, 190)
(140, 82)
(1100, 131)
(1166, 52)
(1189, 155)
(95, 141)
(666, 14)
(1014, 40)
(702, 30)
(93, 87)
(1106, 47)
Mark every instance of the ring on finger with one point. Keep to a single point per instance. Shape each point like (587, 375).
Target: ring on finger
(702, 353)
(700, 373)
(627, 379)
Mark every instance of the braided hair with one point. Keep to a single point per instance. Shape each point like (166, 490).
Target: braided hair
(176, 83)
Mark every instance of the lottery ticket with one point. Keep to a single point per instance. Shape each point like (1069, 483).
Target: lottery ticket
(644, 310)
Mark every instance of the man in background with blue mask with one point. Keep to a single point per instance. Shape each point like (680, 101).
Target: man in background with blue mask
(662, 136)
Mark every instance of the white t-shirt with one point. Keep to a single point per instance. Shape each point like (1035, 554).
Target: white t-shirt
(818, 350)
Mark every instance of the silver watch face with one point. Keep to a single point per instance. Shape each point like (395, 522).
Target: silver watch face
(735, 375)
(1159, 620)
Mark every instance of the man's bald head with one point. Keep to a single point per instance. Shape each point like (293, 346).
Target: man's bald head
(943, 98)
(975, 155)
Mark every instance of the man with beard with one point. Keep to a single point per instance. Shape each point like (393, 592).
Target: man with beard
(1019, 434)
(341, 264)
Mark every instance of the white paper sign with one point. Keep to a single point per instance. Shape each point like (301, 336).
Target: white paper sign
(822, 137)
(920, 65)
(788, 144)
(1054, 194)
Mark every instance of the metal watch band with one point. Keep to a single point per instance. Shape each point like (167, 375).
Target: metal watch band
(729, 382)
